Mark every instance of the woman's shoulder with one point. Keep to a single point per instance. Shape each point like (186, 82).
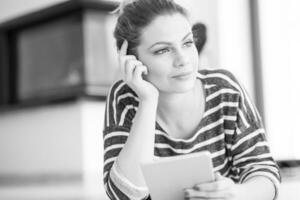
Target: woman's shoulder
(120, 87)
(120, 90)
(219, 77)
(217, 73)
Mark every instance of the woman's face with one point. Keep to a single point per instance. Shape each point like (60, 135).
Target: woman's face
(167, 49)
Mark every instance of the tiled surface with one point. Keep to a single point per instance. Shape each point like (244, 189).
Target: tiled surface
(290, 187)
(59, 192)
(289, 190)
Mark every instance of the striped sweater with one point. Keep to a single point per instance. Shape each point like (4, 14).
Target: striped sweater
(231, 129)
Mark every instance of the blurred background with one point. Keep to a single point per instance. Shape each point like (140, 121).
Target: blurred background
(58, 59)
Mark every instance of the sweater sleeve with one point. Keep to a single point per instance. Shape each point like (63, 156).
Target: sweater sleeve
(121, 105)
(250, 151)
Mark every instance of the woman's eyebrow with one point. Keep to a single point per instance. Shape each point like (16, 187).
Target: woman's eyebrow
(187, 35)
(168, 43)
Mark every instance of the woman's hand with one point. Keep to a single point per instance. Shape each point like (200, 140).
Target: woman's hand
(222, 188)
(132, 71)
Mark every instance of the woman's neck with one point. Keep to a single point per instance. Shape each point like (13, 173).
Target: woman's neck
(173, 107)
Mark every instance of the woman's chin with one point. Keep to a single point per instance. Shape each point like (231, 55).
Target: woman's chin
(182, 86)
(185, 88)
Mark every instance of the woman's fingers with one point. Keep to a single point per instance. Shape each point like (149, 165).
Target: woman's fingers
(221, 183)
(132, 70)
(132, 73)
(138, 71)
(123, 57)
(123, 49)
(195, 194)
(221, 188)
(124, 60)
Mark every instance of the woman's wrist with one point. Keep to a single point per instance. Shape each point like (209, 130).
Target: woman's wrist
(149, 102)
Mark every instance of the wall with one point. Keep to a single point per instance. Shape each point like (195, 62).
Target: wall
(92, 121)
(42, 140)
(13, 8)
(60, 144)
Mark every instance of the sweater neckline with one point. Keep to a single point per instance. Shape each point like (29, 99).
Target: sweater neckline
(201, 123)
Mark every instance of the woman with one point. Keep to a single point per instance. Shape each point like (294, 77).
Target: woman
(164, 107)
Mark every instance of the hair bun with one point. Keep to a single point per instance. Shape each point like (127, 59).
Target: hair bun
(121, 6)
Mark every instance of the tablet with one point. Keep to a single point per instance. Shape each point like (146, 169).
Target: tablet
(167, 178)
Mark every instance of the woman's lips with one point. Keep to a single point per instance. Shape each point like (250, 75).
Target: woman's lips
(183, 75)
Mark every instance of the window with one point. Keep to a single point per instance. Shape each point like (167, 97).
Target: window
(280, 46)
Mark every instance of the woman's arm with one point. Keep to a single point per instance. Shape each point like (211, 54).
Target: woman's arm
(129, 136)
(258, 188)
(128, 140)
(139, 146)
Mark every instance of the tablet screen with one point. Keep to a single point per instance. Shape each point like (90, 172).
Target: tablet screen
(167, 178)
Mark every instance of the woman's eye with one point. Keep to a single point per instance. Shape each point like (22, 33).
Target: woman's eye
(189, 43)
(161, 51)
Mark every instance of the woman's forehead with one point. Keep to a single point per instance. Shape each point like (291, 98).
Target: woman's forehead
(165, 28)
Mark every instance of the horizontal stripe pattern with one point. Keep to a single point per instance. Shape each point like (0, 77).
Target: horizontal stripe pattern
(230, 129)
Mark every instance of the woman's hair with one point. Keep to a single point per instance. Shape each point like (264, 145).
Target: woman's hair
(136, 15)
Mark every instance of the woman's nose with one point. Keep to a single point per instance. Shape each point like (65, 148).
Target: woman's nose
(180, 59)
